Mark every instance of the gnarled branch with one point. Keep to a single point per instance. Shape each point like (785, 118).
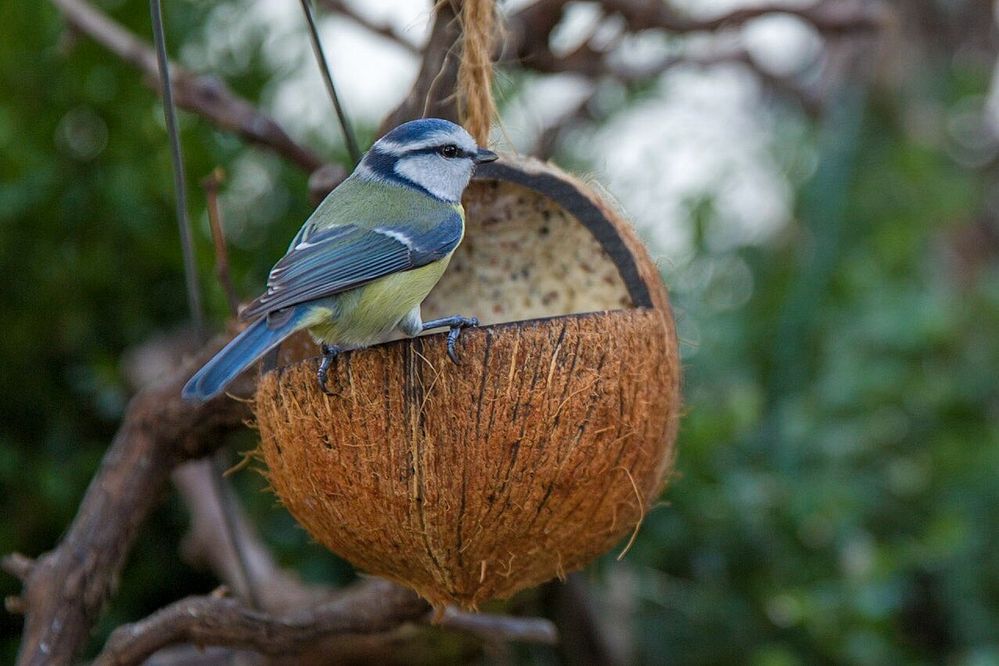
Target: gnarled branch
(375, 606)
(65, 588)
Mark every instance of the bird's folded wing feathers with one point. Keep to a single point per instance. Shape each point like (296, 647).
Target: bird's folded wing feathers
(329, 261)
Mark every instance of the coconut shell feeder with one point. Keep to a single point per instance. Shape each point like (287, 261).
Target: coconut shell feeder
(543, 449)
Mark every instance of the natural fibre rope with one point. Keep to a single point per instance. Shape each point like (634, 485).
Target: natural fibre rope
(475, 71)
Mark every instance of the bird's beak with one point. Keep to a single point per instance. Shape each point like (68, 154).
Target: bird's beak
(485, 155)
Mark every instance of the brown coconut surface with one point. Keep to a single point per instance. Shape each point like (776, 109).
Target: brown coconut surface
(540, 451)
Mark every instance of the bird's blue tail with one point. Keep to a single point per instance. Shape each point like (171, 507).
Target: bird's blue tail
(241, 352)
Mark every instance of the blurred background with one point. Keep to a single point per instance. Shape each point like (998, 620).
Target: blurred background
(820, 187)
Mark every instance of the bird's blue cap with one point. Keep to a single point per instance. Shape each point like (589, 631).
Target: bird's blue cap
(415, 130)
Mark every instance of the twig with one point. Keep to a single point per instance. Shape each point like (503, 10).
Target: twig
(211, 184)
(18, 565)
(317, 48)
(207, 96)
(500, 627)
(381, 29)
(179, 181)
(829, 16)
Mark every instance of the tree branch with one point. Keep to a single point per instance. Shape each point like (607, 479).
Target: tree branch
(65, 588)
(371, 607)
(206, 96)
(530, 32)
(500, 627)
(829, 16)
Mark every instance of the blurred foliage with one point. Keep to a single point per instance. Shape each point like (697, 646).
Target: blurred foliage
(837, 485)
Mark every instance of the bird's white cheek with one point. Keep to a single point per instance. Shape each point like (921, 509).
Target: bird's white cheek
(445, 179)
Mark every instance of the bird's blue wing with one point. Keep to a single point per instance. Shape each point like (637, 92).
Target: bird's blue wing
(329, 261)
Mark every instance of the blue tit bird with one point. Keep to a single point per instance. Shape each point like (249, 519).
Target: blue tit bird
(367, 256)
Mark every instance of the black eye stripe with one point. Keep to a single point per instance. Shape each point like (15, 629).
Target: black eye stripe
(435, 150)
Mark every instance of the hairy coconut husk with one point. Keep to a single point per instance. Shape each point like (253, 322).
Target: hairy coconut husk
(541, 450)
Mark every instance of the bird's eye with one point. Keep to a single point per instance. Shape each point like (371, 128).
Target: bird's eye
(449, 150)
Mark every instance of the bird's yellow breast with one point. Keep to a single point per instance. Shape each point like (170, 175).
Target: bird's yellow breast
(366, 315)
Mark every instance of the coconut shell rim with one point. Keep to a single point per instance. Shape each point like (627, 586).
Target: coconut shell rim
(269, 362)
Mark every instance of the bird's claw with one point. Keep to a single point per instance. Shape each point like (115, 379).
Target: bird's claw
(452, 337)
(329, 355)
(455, 323)
(452, 340)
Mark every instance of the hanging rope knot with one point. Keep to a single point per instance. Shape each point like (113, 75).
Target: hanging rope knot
(476, 106)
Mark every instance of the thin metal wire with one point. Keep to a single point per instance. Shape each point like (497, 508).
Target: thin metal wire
(169, 112)
(191, 278)
(317, 48)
